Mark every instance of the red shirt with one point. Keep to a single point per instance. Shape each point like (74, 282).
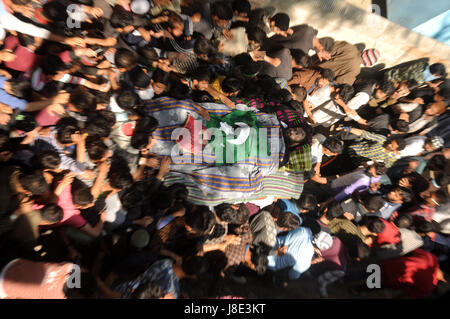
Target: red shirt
(25, 58)
(390, 235)
(416, 273)
(72, 216)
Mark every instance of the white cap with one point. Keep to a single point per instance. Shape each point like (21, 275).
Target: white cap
(323, 241)
(140, 6)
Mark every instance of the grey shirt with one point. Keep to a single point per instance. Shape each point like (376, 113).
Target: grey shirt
(284, 70)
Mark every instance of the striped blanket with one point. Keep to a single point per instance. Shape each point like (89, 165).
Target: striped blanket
(249, 178)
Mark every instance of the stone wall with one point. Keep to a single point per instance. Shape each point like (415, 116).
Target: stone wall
(343, 20)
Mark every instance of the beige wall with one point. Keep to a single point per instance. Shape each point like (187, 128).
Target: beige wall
(344, 21)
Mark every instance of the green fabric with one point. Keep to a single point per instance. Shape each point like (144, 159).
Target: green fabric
(411, 70)
(240, 152)
(300, 160)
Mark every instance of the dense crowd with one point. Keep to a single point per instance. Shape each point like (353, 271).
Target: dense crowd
(101, 197)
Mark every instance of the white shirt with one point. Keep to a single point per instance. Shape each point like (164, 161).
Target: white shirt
(316, 148)
(414, 146)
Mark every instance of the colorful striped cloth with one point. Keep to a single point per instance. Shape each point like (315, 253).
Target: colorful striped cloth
(239, 180)
(278, 184)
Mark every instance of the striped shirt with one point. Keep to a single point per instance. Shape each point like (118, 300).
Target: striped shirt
(371, 146)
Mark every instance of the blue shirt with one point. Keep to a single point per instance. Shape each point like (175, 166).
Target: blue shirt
(387, 210)
(8, 99)
(288, 206)
(299, 254)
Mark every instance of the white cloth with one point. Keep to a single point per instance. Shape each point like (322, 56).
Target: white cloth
(316, 148)
(360, 99)
(10, 22)
(414, 146)
(348, 179)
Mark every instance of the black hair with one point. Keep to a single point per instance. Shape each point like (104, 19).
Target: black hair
(201, 220)
(148, 53)
(313, 225)
(48, 159)
(132, 197)
(334, 145)
(400, 141)
(231, 84)
(437, 163)
(66, 127)
(121, 18)
(222, 10)
(334, 210)
(204, 46)
(225, 212)
(373, 203)
(88, 287)
(404, 221)
(360, 250)
(125, 58)
(142, 131)
(375, 225)
(202, 97)
(300, 58)
(241, 6)
(139, 78)
(147, 290)
(441, 178)
(163, 199)
(97, 126)
(260, 252)
(25, 39)
(5, 143)
(160, 76)
(179, 191)
(83, 100)
(179, 91)
(127, 99)
(34, 182)
(281, 20)
(387, 87)
(25, 121)
(307, 202)
(109, 116)
(52, 64)
(95, 148)
(54, 11)
(256, 34)
(20, 88)
(407, 194)
(195, 265)
(201, 74)
(82, 196)
(288, 220)
(439, 69)
(327, 74)
(401, 126)
(119, 175)
(423, 226)
(52, 213)
(299, 92)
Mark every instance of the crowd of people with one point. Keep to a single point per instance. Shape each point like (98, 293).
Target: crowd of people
(95, 202)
